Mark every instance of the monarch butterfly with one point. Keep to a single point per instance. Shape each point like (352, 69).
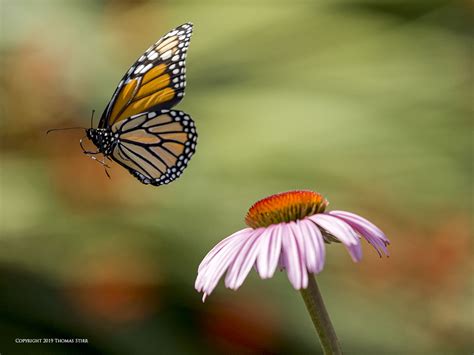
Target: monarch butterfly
(138, 129)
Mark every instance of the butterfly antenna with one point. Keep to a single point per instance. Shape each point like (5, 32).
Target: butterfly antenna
(62, 129)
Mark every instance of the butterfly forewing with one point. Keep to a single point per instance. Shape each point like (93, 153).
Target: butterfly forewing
(155, 146)
(156, 81)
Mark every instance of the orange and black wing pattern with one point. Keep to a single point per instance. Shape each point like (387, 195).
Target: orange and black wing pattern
(155, 82)
(155, 146)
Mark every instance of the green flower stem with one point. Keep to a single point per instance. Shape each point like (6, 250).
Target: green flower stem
(320, 317)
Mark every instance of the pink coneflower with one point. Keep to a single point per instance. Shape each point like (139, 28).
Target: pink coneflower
(288, 230)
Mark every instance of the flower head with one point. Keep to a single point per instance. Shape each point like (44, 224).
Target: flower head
(287, 230)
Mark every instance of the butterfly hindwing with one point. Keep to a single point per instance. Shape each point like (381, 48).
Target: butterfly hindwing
(155, 146)
(156, 81)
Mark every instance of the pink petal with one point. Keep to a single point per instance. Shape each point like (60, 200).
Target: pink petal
(291, 258)
(336, 227)
(209, 276)
(270, 250)
(355, 251)
(314, 246)
(366, 229)
(221, 245)
(300, 243)
(244, 261)
(307, 242)
(342, 231)
(362, 223)
(213, 257)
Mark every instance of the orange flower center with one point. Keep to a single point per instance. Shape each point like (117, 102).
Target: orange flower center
(285, 207)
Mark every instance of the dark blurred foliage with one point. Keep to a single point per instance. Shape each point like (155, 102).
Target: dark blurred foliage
(367, 102)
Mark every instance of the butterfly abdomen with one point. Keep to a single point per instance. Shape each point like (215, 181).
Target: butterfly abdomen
(103, 138)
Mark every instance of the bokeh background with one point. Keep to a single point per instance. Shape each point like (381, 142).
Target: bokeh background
(365, 101)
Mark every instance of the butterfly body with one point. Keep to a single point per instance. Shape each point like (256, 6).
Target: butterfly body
(138, 129)
(103, 139)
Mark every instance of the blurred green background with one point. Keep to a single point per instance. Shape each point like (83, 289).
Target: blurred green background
(367, 102)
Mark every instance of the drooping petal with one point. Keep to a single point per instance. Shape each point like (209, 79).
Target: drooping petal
(244, 261)
(366, 229)
(300, 243)
(336, 227)
(305, 239)
(362, 222)
(222, 248)
(270, 250)
(314, 246)
(221, 245)
(355, 251)
(291, 257)
(340, 230)
(213, 271)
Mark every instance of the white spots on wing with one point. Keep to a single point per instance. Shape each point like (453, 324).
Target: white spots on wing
(175, 58)
(151, 114)
(142, 58)
(172, 66)
(166, 55)
(146, 68)
(137, 70)
(152, 55)
(176, 71)
(180, 94)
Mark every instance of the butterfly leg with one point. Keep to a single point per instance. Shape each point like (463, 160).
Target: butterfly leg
(99, 161)
(84, 149)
